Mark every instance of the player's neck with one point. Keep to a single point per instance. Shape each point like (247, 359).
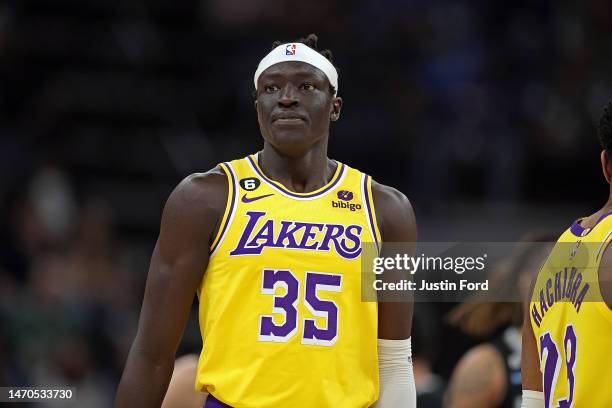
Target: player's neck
(591, 221)
(300, 174)
(606, 208)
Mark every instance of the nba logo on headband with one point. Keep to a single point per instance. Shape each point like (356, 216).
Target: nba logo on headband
(290, 49)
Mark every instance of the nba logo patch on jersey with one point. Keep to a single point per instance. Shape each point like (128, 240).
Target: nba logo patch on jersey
(574, 250)
(290, 49)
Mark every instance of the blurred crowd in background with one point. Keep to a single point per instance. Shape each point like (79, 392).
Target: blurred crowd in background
(483, 113)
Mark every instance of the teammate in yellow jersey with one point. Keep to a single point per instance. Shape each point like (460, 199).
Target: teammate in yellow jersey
(567, 332)
(272, 244)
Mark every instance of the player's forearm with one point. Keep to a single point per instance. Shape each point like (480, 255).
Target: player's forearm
(144, 381)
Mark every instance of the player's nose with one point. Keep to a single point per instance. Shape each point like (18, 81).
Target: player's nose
(288, 95)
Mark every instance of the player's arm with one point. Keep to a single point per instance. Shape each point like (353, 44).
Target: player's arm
(479, 379)
(179, 259)
(605, 276)
(531, 376)
(397, 225)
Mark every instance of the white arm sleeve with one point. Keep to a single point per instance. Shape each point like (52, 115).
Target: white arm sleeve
(396, 380)
(532, 399)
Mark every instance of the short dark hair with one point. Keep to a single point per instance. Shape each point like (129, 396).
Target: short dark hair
(605, 129)
(311, 40)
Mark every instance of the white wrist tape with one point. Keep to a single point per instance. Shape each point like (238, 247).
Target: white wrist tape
(396, 380)
(298, 52)
(532, 399)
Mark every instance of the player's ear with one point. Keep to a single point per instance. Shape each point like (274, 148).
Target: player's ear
(336, 108)
(255, 105)
(605, 165)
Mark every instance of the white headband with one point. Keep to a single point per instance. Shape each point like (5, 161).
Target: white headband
(298, 52)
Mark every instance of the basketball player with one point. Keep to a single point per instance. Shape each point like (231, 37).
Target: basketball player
(272, 245)
(567, 332)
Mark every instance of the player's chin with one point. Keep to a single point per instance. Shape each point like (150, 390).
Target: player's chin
(291, 143)
(290, 134)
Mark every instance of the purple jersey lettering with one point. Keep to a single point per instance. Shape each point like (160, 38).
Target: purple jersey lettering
(261, 233)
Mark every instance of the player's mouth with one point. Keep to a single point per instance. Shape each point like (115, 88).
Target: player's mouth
(288, 118)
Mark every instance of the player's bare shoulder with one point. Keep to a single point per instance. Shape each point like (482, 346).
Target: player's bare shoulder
(394, 213)
(198, 201)
(208, 190)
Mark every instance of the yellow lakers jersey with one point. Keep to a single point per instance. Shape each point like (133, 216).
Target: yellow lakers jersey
(571, 322)
(281, 315)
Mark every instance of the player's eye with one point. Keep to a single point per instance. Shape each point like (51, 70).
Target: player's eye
(271, 88)
(307, 86)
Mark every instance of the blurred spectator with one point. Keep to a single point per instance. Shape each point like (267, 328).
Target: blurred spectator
(489, 374)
